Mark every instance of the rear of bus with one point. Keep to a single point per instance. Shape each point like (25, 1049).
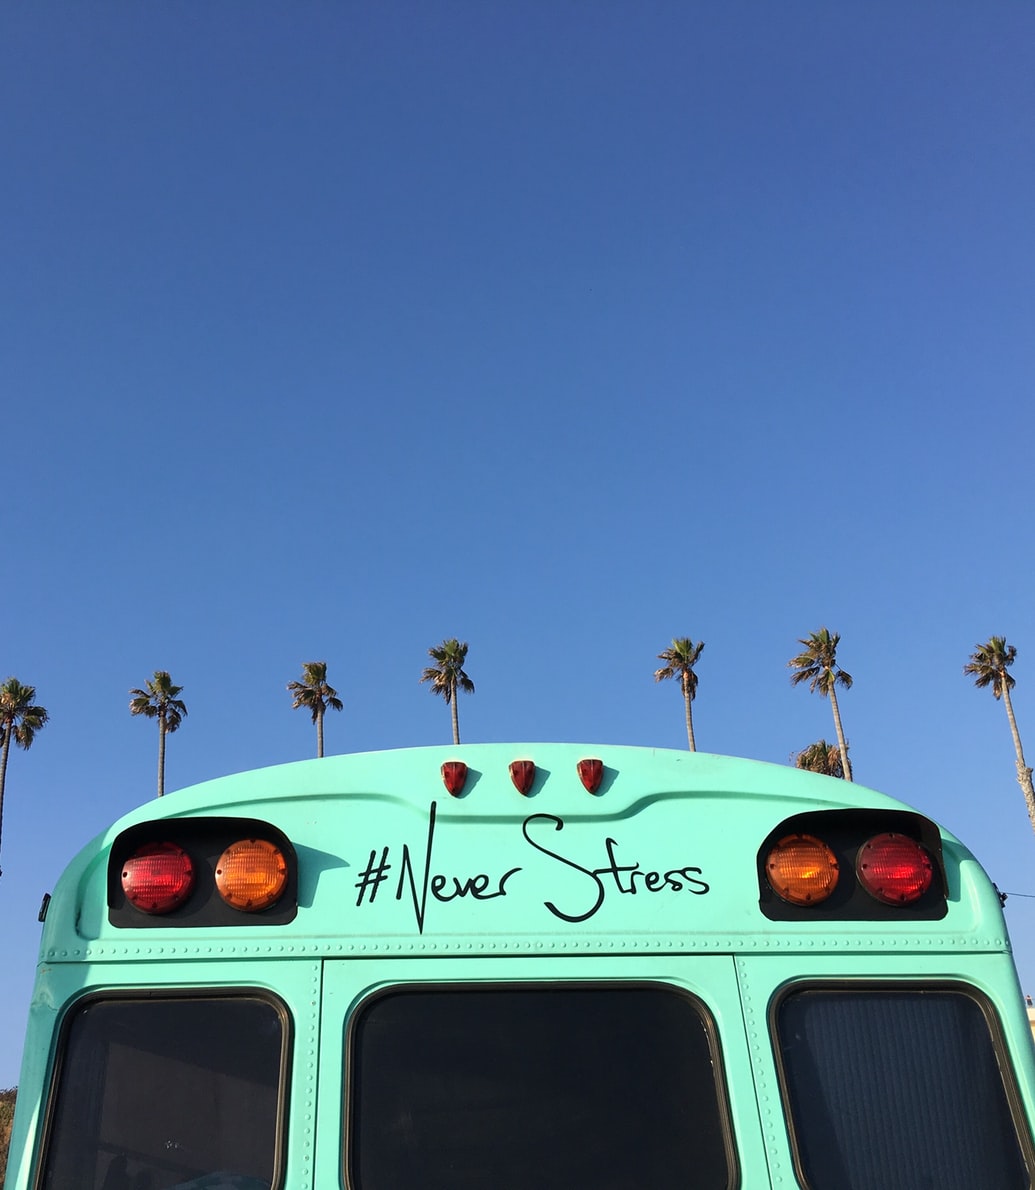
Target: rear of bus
(511, 966)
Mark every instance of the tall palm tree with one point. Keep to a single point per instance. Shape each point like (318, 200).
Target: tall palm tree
(447, 676)
(988, 665)
(159, 700)
(817, 665)
(20, 719)
(821, 757)
(680, 659)
(313, 693)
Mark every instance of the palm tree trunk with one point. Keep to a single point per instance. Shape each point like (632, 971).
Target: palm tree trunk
(3, 772)
(689, 717)
(319, 731)
(842, 746)
(1023, 771)
(161, 756)
(456, 714)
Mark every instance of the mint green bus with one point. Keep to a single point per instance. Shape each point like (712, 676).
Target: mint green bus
(525, 967)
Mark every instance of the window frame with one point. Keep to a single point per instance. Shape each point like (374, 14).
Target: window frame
(695, 1003)
(996, 1035)
(129, 995)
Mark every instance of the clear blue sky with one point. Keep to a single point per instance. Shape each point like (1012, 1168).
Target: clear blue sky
(329, 330)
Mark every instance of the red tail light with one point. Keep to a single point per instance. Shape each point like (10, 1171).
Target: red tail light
(894, 869)
(158, 877)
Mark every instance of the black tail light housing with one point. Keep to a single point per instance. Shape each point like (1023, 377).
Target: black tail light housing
(864, 865)
(202, 872)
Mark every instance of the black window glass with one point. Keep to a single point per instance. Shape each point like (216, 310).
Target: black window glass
(163, 1093)
(560, 1088)
(896, 1090)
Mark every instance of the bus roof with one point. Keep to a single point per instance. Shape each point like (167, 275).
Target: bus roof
(407, 773)
(543, 839)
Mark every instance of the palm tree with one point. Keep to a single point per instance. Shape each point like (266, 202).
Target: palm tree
(988, 665)
(818, 666)
(821, 757)
(20, 719)
(7, 1100)
(313, 693)
(159, 701)
(680, 659)
(447, 676)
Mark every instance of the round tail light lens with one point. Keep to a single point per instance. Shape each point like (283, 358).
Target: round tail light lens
(251, 875)
(158, 877)
(894, 869)
(802, 869)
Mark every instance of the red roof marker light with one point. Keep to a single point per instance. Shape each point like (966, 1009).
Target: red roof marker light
(522, 773)
(454, 776)
(591, 773)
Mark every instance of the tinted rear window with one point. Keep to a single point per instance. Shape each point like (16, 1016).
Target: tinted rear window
(155, 1094)
(561, 1088)
(897, 1089)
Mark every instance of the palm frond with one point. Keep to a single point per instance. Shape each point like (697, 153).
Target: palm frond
(312, 691)
(159, 700)
(448, 676)
(20, 716)
(804, 671)
(680, 658)
(988, 665)
(821, 757)
(817, 663)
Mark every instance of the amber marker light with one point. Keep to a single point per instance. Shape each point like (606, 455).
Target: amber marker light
(802, 869)
(251, 875)
(158, 877)
(894, 869)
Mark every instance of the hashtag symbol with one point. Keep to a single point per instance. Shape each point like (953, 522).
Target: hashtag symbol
(372, 876)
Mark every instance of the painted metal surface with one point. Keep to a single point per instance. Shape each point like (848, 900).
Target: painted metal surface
(652, 876)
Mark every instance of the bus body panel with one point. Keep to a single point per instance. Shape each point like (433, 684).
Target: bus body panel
(655, 878)
(712, 980)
